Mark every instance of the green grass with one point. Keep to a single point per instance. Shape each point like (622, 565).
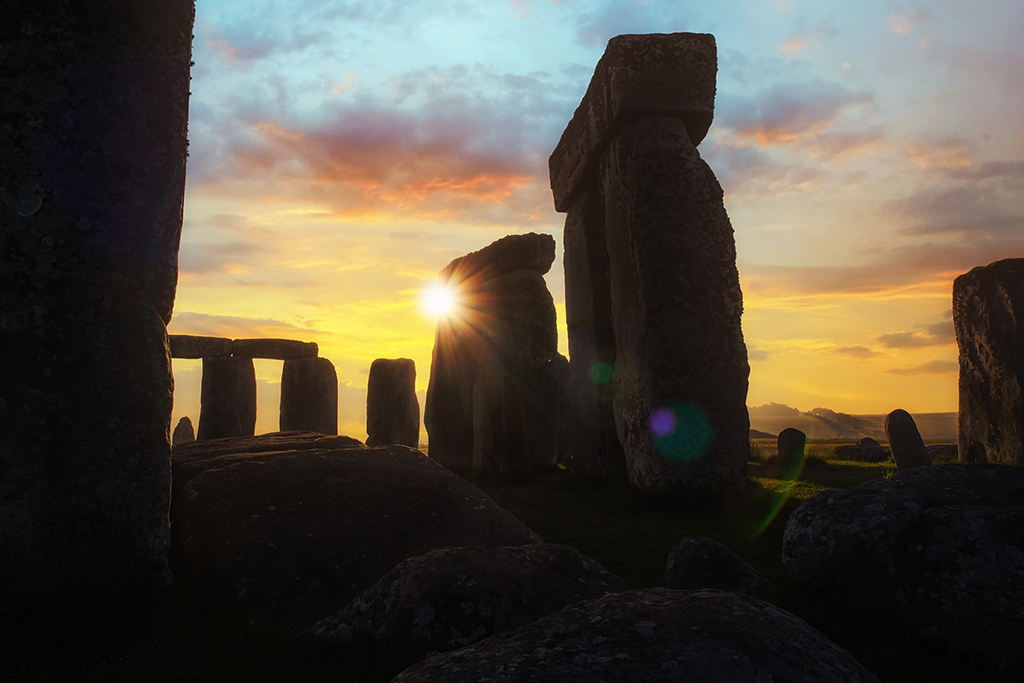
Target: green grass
(630, 534)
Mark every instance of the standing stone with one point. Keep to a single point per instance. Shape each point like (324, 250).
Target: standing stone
(504, 326)
(392, 410)
(486, 426)
(93, 117)
(309, 396)
(790, 456)
(905, 441)
(650, 258)
(988, 312)
(228, 398)
(514, 447)
(183, 432)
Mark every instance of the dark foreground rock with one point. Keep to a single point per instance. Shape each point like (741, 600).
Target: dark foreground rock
(296, 534)
(701, 562)
(652, 635)
(452, 597)
(939, 548)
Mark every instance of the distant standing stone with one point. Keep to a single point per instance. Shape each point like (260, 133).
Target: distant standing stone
(392, 410)
(183, 432)
(228, 398)
(309, 396)
(791, 447)
(905, 441)
(988, 313)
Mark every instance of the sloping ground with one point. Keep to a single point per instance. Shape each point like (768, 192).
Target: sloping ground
(933, 426)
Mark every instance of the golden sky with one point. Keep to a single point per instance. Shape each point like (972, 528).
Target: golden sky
(342, 153)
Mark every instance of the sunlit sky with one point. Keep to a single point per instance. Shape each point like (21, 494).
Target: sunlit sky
(342, 152)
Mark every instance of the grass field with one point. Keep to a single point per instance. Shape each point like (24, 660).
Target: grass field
(628, 533)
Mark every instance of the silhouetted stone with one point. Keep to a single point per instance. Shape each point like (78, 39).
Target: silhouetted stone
(228, 399)
(486, 426)
(988, 312)
(791, 444)
(336, 519)
(195, 346)
(279, 349)
(94, 109)
(392, 410)
(866, 450)
(514, 447)
(936, 549)
(652, 635)
(309, 396)
(504, 326)
(183, 432)
(905, 441)
(452, 597)
(700, 562)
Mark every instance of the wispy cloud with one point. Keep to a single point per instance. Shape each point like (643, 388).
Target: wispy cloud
(856, 351)
(935, 367)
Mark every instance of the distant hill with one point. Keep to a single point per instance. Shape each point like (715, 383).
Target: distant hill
(822, 423)
(754, 434)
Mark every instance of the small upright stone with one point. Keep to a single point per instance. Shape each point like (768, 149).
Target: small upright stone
(228, 398)
(988, 313)
(309, 396)
(183, 432)
(905, 441)
(791, 448)
(392, 410)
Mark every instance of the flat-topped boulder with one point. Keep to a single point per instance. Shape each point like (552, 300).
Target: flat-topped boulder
(652, 635)
(639, 75)
(196, 346)
(452, 597)
(939, 549)
(276, 349)
(295, 534)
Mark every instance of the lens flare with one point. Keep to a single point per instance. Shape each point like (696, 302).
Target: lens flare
(600, 372)
(682, 431)
(438, 301)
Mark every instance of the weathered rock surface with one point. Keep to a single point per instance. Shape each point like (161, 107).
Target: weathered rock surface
(94, 111)
(279, 349)
(943, 451)
(700, 562)
(183, 432)
(905, 441)
(452, 597)
(652, 635)
(196, 346)
(940, 548)
(866, 450)
(680, 377)
(505, 327)
(309, 396)
(295, 534)
(228, 399)
(638, 75)
(988, 313)
(392, 409)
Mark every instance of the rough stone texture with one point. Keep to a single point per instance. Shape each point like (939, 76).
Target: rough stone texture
(486, 426)
(652, 635)
(336, 519)
(700, 562)
(279, 349)
(195, 346)
(676, 306)
(638, 75)
(939, 548)
(504, 327)
(988, 313)
(592, 440)
(905, 441)
(452, 597)
(183, 432)
(392, 410)
(309, 396)
(228, 398)
(93, 116)
(943, 451)
(866, 450)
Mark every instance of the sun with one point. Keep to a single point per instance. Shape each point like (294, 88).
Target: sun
(438, 301)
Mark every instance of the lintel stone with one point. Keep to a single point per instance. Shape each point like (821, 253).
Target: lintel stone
(277, 349)
(195, 346)
(671, 75)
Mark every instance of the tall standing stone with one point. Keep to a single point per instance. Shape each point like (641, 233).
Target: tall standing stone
(503, 326)
(93, 143)
(392, 410)
(905, 441)
(988, 312)
(228, 398)
(652, 292)
(309, 396)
